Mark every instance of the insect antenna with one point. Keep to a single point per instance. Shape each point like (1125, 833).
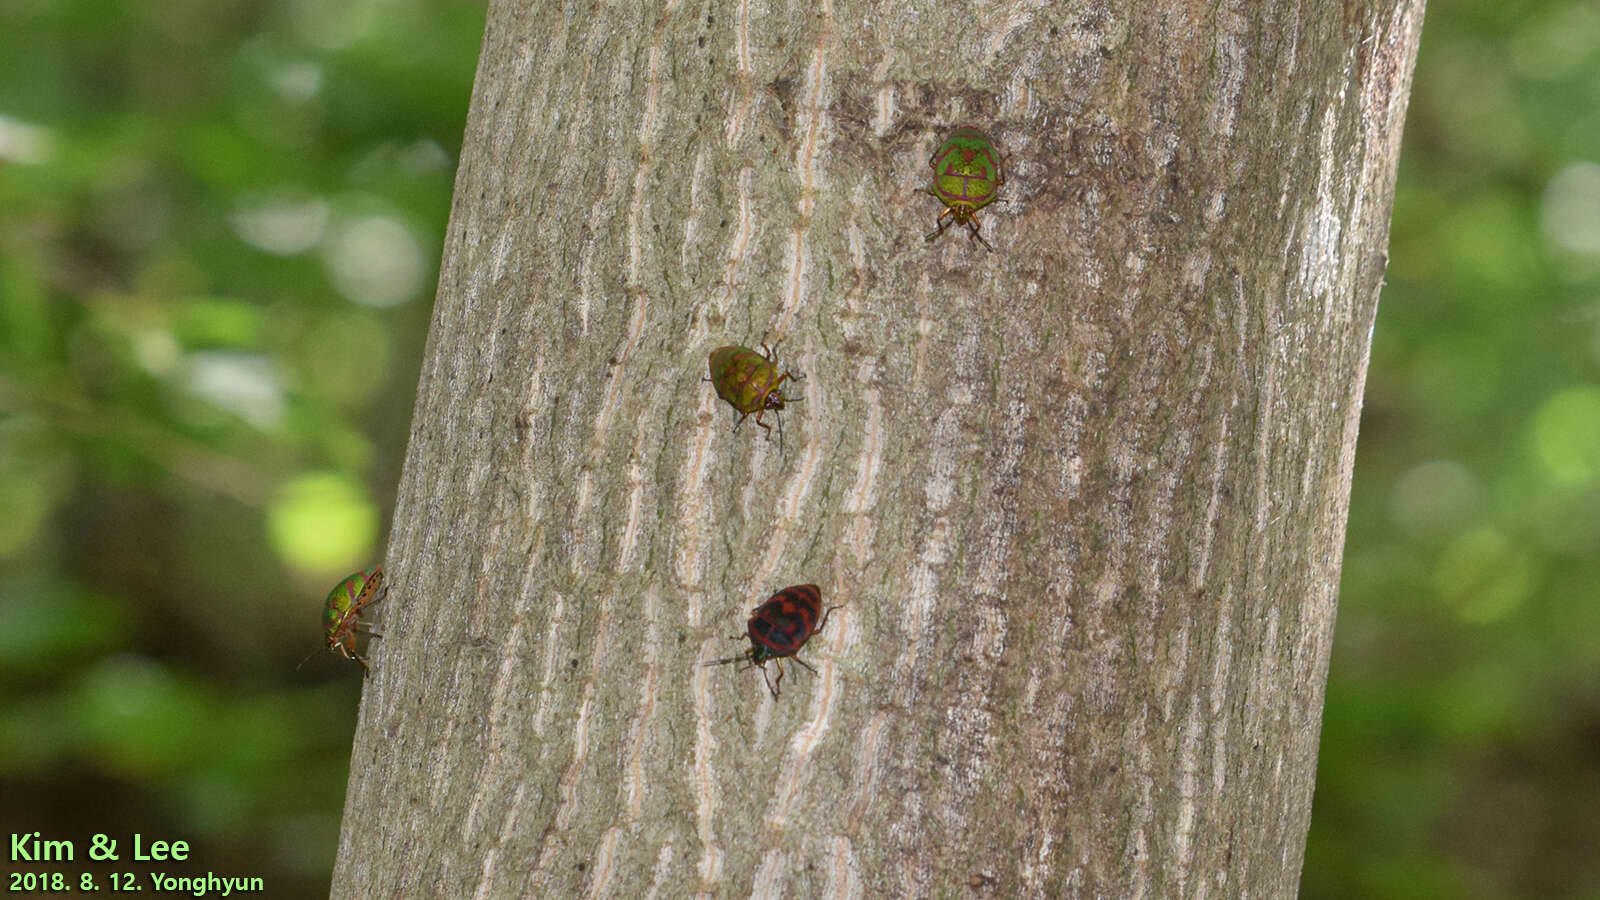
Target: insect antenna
(743, 657)
(824, 623)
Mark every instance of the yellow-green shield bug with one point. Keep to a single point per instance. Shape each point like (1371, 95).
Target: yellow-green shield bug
(749, 381)
(967, 175)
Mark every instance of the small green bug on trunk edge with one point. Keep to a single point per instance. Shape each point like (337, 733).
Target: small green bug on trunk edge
(967, 175)
(749, 381)
(341, 617)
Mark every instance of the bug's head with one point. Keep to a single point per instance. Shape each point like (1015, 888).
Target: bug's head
(776, 399)
(343, 635)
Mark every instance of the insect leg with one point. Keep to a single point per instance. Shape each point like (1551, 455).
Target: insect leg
(777, 687)
(763, 424)
(972, 227)
(350, 653)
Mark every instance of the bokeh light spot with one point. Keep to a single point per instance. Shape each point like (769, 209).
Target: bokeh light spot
(1482, 577)
(323, 523)
(375, 261)
(347, 355)
(157, 350)
(35, 476)
(1434, 498)
(284, 225)
(1555, 42)
(296, 82)
(1571, 208)
(138, 718)
(333, 26)
(246, 384)
(1566, 435)
(21, 142)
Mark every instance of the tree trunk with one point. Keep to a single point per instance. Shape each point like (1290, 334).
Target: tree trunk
(1082, 498)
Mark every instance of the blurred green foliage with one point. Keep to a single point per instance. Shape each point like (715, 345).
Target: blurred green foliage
(219, 223)
(1461, 738)
(219, 230)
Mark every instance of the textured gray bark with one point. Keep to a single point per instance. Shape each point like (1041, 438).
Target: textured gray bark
(1084, 498)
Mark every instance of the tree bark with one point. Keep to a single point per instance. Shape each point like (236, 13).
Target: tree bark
(1083, 498)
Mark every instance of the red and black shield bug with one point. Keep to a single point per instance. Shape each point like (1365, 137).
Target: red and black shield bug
(342, 615)
(779, 627)
(749, 381)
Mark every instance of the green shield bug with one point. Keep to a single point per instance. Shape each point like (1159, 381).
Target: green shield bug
(749, 381)
(967, 175)
(342, 615)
